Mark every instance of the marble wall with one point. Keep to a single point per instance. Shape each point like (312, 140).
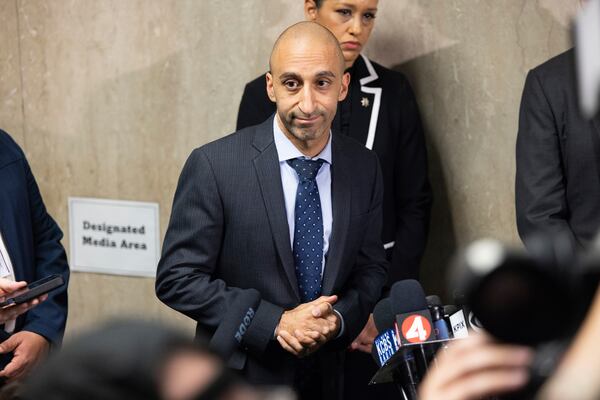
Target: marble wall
(108, 98)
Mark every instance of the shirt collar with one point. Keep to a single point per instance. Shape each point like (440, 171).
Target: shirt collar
(287, 151)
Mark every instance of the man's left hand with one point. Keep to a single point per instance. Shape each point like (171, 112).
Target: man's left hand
(364, 341)
(29, 348)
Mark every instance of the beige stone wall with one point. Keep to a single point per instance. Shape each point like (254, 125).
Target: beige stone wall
(108, 97)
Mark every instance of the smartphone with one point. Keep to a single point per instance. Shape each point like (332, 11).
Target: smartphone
(34, 289)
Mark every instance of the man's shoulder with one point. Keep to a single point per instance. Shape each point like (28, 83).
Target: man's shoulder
(226, 144)
(235, 144)
(559, 66)
(9, 149)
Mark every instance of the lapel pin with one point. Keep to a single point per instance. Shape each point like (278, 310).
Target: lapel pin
(364, 102)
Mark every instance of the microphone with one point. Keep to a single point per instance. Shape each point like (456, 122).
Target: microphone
(414, 325)
(413, 318)
(386, 344)
(382, 315)
(449, 309)
(437, 315)
(459, 325)
(239, 315)
(460, 317)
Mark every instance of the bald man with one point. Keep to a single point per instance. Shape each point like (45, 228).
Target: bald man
(282, 219)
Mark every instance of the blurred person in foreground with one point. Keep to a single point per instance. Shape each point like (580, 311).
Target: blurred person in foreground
(576, 377)
(476, 367)
(30, 250)
(136, 360)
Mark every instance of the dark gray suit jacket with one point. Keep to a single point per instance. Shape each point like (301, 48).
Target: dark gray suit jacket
(558, 156)
(228, 233)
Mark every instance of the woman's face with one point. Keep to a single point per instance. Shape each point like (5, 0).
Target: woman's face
(351, 21)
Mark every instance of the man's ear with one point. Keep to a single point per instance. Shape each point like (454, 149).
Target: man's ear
(310, 10)
(270, 89)
(344, 87)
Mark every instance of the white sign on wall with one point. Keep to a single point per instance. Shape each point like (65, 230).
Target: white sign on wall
(114, 237)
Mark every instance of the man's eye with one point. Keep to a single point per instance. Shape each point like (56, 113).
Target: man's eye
(291, 85)
(323, 83)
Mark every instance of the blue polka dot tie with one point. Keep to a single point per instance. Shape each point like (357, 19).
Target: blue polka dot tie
(308, 229)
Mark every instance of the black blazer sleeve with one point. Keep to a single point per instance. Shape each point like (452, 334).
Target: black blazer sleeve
(541, 203)
(412, 192)
(191, 250)
(38, 251)
(49, 318)
(255, 106)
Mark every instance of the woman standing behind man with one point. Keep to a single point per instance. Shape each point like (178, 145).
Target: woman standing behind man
(381, 112)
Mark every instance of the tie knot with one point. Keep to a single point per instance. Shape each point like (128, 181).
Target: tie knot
(306, 169)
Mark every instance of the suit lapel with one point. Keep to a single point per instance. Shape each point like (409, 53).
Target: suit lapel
(341, 203)
(366, 101)
(362, 104)
(8, 225)
(268, 172)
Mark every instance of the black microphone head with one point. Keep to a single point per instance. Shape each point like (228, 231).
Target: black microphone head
(238, 317)
(407, 296)
(382, 315)
(450, 309)
(433, 300)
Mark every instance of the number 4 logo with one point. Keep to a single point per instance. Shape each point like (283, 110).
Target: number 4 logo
(416, 329)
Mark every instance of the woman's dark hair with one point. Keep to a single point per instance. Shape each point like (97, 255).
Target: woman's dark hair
(319, 3)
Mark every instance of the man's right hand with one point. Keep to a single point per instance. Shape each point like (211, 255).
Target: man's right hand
(307, 327)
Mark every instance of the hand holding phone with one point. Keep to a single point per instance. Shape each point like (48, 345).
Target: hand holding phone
(32, 291)
(17, 298)
(8, 288)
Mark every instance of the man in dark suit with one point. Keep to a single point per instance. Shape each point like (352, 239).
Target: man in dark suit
(558, 157)
(290, 212)
(30, 249)
(381, 112)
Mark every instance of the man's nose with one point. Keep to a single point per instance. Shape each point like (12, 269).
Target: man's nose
(307, 102)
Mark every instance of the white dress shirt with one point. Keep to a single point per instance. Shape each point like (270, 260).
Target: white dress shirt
(289, 179)
(7, 272)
